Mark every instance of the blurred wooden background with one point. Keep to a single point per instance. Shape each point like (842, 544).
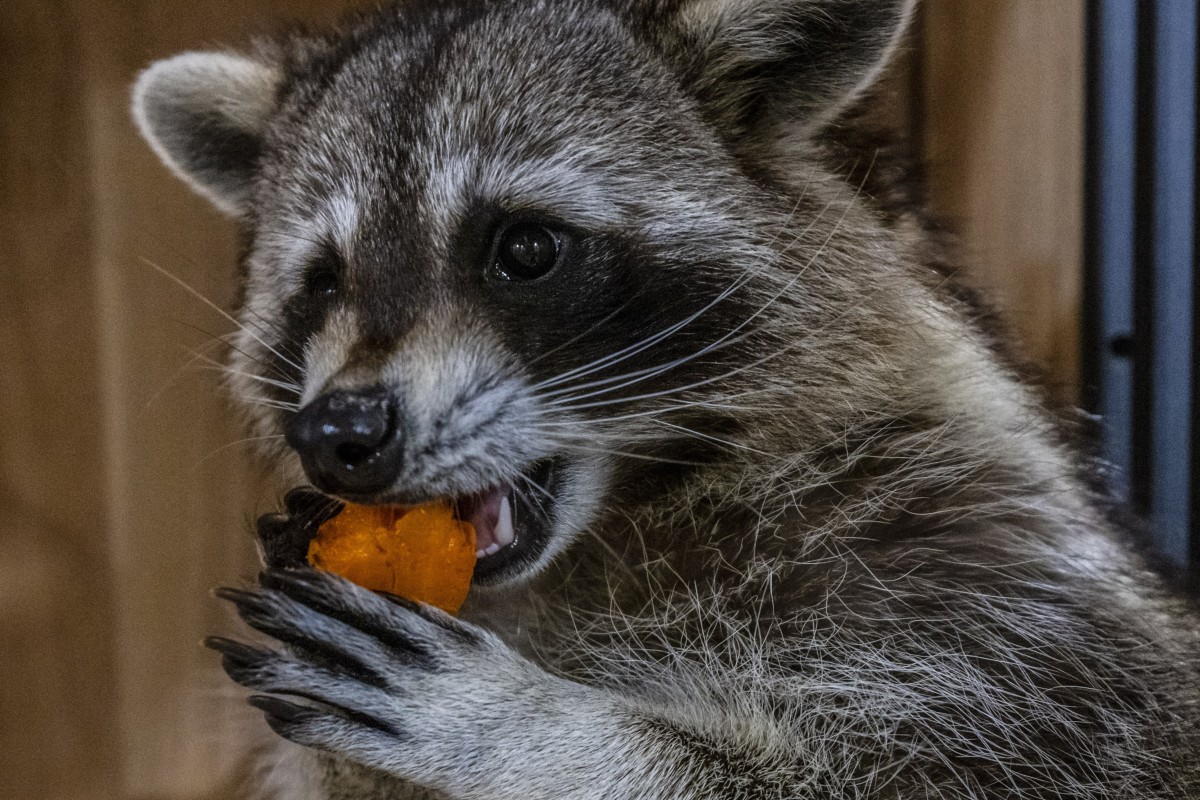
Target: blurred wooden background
(123, 499)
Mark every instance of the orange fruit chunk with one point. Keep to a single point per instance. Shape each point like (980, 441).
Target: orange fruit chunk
(423, 553)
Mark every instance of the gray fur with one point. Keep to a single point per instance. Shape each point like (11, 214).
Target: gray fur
(811, 537)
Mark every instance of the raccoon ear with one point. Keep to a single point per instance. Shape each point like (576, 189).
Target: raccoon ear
(776, 63)
(204, 115)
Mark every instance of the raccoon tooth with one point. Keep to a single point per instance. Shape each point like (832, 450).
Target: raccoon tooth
(492, 549)
(504, 525)
(480, 553)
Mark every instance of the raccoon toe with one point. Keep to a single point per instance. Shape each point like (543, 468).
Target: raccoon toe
(320, 726)
(284, 537)
(352, 628)
(403, 625)
(323, 639)
(296, 675)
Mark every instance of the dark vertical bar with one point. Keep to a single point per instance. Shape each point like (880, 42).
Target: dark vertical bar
(1173, 258)
(1194, 538)
(1144, 342)
(1142, 191)
(1091, 335)
(916, 94)
(1110, 195)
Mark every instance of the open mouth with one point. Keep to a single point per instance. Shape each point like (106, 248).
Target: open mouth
(512, 522)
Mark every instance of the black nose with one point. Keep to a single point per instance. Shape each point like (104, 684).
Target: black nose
(348, 441)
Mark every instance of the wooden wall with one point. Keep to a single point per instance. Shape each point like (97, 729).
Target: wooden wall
(123, 498)
(1002, 88)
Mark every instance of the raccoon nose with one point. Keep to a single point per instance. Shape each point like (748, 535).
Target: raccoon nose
(348, 441)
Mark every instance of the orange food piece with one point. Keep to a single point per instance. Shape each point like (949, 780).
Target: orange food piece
(421, 553)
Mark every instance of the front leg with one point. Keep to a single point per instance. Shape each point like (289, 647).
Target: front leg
(409, 690)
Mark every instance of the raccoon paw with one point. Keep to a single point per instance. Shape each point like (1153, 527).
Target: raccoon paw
(392, 684)
(283, 539)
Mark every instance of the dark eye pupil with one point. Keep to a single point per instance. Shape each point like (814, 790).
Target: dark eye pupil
(323, 283)
(323, 278)
(526, 252)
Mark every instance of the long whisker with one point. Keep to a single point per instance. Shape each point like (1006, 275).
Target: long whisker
(675, 405)
(278, 404)
(591, 329)
(184, 256)
(688, 387)
(194, 356)
(287, 386)
(563, 437)
(541, 508)
(641, 375)
(570, 445)
(230, 445)
(264, 326)
(541, 490)
(709, 437)
(186, 287)
(650, 372)
(800, 273)
(633, 349)
(224, 341)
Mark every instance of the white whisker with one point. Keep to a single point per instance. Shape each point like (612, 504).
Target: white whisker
(231, 445)
(709, 437)
(568, 405)
(194, 357)
(633, 349)
(278, 404)
(287, 386)
(181, 283)
(646, 374)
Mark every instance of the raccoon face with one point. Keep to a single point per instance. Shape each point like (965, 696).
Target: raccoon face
(521, 256)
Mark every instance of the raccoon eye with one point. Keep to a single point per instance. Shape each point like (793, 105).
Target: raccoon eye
(526, 251)
(324, 277)
(322, 284)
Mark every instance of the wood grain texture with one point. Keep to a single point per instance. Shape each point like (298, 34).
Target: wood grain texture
(122, 501)
(123, 506)
(56, 736)
(1003, 92)
(179, 499)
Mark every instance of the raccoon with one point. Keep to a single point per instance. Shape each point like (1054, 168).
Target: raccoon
(762, 511)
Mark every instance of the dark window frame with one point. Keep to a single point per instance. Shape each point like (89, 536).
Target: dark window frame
(1142, 293)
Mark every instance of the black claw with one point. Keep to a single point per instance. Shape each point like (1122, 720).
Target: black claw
(232, 593)
(274, 529)
(300, 584)
(283, 717)
(283, 729)
(234, 649)
(254, 608)
(446, 622)
(273, 520)
(281, 709)
(240, 661)
(311, 588)
(241, 598)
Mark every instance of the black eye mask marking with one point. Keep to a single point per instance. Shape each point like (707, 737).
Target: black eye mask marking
(300, 318)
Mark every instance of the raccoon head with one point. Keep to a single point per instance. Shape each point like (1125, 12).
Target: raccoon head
(539, 258)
